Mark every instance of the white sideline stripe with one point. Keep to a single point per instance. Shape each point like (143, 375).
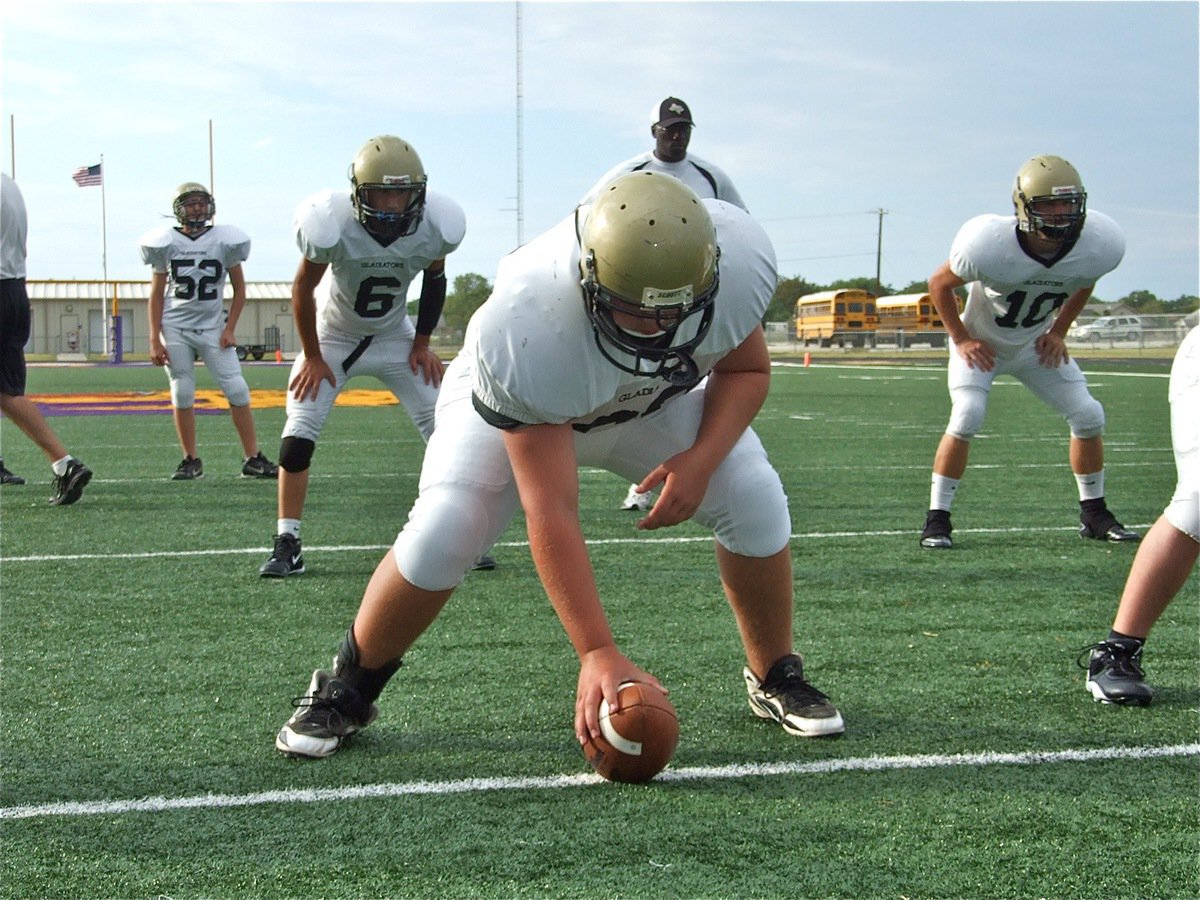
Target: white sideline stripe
(556, 782)
(599, 542)
(910, 367)
(591, 472)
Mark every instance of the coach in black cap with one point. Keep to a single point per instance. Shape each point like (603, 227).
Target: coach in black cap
(672, 130)
(671, 125)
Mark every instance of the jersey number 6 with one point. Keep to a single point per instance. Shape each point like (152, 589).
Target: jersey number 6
(376, 297)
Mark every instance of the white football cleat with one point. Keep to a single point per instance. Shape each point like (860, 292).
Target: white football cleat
(638, 501)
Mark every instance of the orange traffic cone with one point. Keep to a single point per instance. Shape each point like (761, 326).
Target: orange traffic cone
(278, 355)
(807, 359)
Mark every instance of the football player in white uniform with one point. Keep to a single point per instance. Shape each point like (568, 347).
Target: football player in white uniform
(671, 127)
(1030, 274)
(628, 337)
(70, 475)
(1167, 555)
(362, 248)
(189, 264)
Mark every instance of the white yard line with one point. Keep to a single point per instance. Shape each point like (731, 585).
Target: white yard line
(562, 782)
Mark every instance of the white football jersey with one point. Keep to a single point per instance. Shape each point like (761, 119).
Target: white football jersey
(704, 178)
(1013, 297)
(196, 268)
(534, 352)
(365, 289)
(14, 228)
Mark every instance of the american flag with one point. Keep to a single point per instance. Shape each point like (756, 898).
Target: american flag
(88, 176)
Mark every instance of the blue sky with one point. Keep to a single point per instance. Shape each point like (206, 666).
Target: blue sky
(821, 113)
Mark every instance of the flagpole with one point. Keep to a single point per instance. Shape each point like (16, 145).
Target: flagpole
(108, 315)
(103, 222)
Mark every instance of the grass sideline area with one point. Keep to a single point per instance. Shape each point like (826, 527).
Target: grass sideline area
(146, 668)
(781, 350)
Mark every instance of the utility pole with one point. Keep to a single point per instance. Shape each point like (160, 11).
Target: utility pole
(520, 138)
(879, 251)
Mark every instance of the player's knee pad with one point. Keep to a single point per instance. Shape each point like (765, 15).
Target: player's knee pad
(969, 406)
(183, 393)
(754, 519)
(295, 454)
(1184, 510)
(1087, 419)
(446, 532)
(237, 392)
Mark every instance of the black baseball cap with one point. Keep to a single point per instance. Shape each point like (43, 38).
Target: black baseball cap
(671, 111)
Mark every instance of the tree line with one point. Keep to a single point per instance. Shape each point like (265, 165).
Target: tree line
(470, 290)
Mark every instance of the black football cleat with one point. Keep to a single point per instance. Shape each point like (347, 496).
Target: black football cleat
(1105, 527)
(936, 534)
(68, 487)
(258, 466)
(1115, 672)
(286, 559)
(786, 696)
(7, 477)
(189, 469)
(329, 713)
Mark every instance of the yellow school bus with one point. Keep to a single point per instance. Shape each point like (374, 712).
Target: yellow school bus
(909, 318)
(836, 317)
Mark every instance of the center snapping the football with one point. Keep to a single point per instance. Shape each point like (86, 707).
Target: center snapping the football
(638, 739)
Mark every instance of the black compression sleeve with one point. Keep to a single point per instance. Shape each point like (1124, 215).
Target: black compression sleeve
(433, 298)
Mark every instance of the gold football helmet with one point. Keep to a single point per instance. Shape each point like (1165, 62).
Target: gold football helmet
(649, 250)
(187, 191)
(1043, 181)
(389, 187)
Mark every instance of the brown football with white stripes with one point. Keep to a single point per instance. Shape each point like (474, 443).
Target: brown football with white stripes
(638, 739)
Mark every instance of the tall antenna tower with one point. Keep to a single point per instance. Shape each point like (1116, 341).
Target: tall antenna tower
(520, 139)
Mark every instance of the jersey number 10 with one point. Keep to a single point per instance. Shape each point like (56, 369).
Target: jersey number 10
(1016, 301)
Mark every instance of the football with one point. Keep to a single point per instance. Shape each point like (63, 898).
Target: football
(638, 740)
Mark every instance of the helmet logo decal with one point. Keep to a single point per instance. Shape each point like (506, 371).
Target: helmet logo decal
(397, 179)
(680, 296)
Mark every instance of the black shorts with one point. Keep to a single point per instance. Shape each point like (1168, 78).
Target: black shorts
(14, 335)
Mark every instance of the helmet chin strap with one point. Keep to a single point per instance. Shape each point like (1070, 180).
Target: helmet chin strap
(685, 373)
(678, 369)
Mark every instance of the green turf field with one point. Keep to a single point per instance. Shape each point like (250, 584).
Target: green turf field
(146, 668)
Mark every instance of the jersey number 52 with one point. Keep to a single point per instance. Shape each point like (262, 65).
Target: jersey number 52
(189, 287)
